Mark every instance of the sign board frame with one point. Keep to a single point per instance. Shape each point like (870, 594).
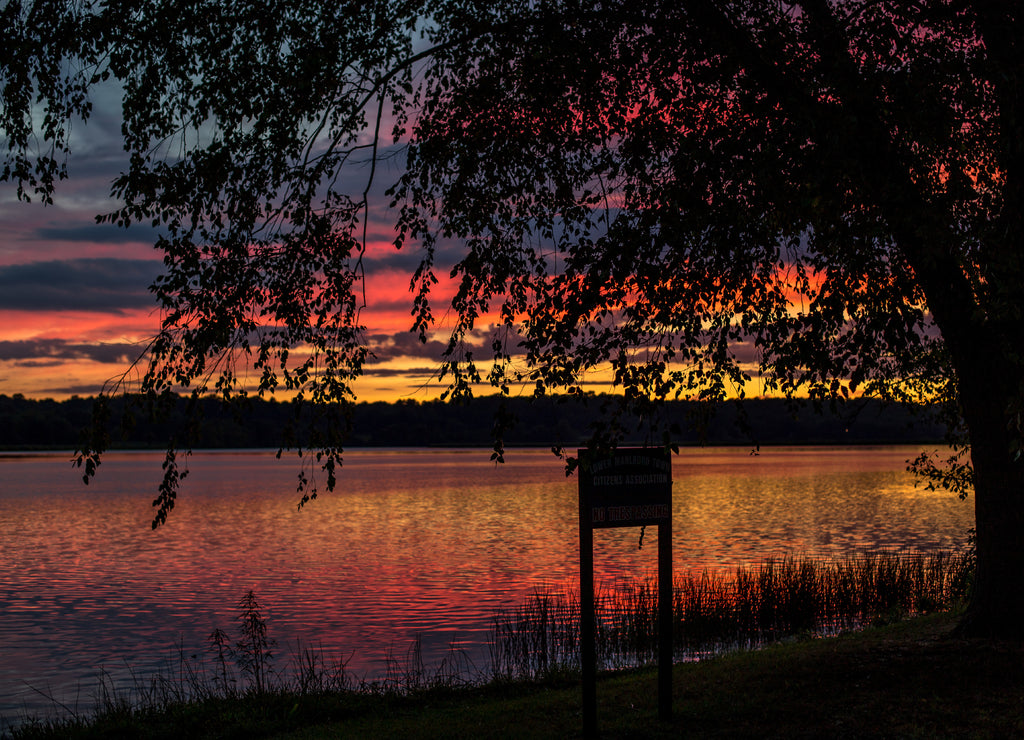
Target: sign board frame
(627, 487)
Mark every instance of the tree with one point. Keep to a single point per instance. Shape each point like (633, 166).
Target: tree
(831, 188)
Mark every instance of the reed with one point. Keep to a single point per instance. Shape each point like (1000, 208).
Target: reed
(538, 638)
(239, 681)
(714, 610)
(240, 684)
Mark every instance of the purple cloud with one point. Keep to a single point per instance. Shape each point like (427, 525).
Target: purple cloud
(103, 285)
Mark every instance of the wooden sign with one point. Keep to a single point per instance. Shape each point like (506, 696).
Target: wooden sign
(629, 488)
(625, 488)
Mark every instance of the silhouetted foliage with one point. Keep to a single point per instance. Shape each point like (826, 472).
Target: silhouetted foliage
(828, 194)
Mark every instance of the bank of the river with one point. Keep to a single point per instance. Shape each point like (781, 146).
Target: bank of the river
(909, 680)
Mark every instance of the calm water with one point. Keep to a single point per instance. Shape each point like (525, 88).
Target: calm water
(413, 543)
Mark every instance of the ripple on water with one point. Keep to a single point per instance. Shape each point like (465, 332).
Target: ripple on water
(412, 543)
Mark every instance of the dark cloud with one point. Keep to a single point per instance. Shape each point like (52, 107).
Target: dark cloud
(104, 284)
(74, 390)
(746, 352)
(408, 259)
(404, 344)
(399, 307)
(405, 261)
(47, 352)
(411, 372)
(97, 234)
(33, 364)
(387, 347)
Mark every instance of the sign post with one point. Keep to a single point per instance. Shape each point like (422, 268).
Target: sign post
(630, 487)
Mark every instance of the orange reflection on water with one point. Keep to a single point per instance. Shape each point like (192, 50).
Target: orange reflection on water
(412, 543)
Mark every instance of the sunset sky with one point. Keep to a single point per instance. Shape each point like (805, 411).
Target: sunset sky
(75, 310)
(74, 306)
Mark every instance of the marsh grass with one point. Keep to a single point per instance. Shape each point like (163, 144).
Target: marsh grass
(238, 683)
(718, 610)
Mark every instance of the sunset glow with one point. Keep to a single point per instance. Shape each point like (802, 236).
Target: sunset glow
(75, 310)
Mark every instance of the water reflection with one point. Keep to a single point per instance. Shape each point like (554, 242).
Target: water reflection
(413, 542)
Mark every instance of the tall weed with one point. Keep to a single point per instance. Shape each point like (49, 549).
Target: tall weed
(713, 610)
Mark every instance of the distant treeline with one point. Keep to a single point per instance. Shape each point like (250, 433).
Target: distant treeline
(565, 421)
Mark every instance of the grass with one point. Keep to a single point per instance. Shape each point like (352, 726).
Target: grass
(908, 679)
(912, 679)
(715, 611)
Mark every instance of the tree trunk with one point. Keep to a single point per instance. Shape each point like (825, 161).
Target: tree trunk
(996, 608)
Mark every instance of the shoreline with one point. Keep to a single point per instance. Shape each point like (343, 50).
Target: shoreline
(914, 678)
